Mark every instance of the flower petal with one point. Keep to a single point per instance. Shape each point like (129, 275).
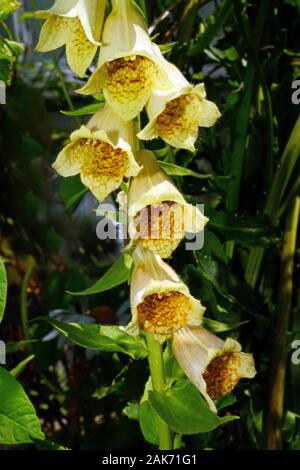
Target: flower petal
(91, 15)
(130, 65)
(69, 160)
(55, 33)
(158, 213)
(103, 168)
(128, 85)
(152, 185)
(80, 51)
(160, 301)
(95, 83)
(212, 365)
(118, 133)
(194, 220)
(62, 8)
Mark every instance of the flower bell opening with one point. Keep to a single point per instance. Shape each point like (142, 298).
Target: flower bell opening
(178, 123)
(102, 158)
(223, 374)
(163, 314)
(128, 84)
(102, 167)
(160, 228)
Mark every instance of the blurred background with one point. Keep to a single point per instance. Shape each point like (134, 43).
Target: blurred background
(248, 55)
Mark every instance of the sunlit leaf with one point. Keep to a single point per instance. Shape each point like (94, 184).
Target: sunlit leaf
(16, 371)
(184, 409)
(102, 338)
(175, 170)
(118, 274)
(86, 110)
(18, 420)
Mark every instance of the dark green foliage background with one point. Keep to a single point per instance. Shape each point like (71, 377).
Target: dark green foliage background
(247, 54)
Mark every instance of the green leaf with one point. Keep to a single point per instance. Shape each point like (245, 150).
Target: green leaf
(102, 338)
(225, 402)
(19, 423)
(7, 7)
(204, 40)
(47, 445)
(175, 170)
(13, 347)
(148, 420)
(3, 288)
(10, 50)
(72, 190)
(184, 409)
(112, 389)
(168, 47)
(116, 275)
(219, 327)
(131, 410)
(85, 110)
(4, 70)
(248, 231)
(16, 371)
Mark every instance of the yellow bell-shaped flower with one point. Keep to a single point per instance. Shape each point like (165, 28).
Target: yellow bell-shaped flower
(214, 366)
(158, 215)
(160, 302)
(130, 65)
(76, 24)
(176, 113)
(101, 152)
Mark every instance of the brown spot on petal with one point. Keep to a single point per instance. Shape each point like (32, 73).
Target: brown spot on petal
(163, 314)
(222, 375)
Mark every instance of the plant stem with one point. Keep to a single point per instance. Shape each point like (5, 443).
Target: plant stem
(23, 299)
(156, 364)
(278, 367)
